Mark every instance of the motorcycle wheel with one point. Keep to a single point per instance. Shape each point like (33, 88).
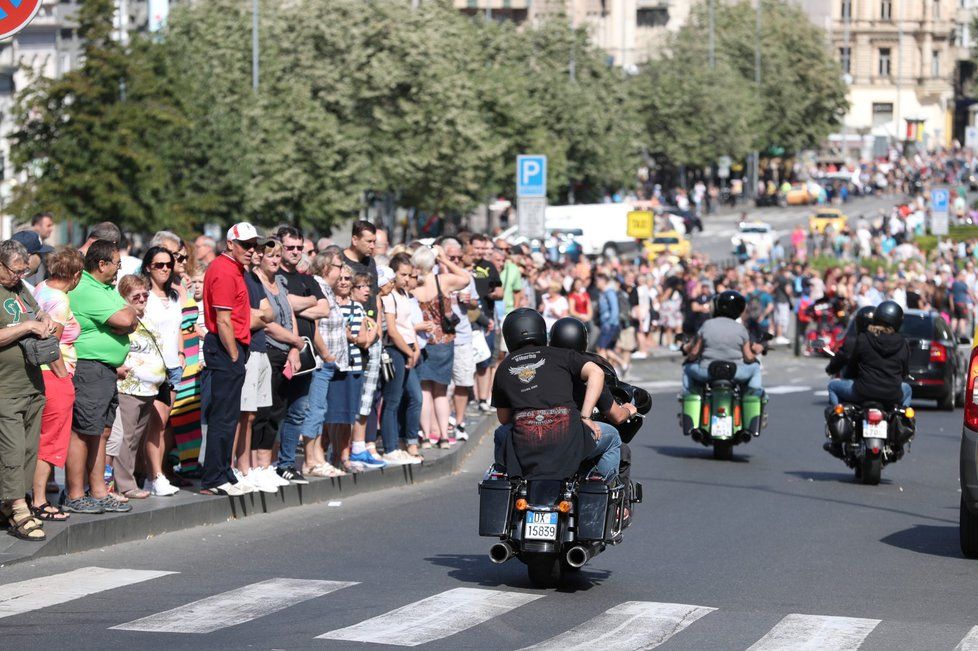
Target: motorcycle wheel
(723, 450)
(545, 570)
(872, 468)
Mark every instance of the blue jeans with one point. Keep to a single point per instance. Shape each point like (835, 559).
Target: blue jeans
(844, 391)
(607, 449)
(312, 424)
(401, 394)
(749, 374)
(298, 397)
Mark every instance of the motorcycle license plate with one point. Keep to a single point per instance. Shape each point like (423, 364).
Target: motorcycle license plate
(540, 526)
(721, 427)
(874, 430)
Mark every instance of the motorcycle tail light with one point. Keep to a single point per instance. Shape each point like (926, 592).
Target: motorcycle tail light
(721, 411)
(970, 398)
(874, 416)
(876, 450)
(521, 504)
(938, 353)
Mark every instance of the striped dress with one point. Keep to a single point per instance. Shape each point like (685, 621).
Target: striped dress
(185, 417)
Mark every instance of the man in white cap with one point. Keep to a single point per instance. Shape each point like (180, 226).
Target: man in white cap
(227, 315)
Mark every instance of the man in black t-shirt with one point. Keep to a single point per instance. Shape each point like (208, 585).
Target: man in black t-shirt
(545, 434)
(359, 257)
(490, 289)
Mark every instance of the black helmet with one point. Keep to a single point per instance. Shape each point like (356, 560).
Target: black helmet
(888, 313)
(730, 304)
(570, 333)
(524, 327)
(864, 317)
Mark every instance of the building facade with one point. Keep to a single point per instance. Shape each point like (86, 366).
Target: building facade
(899, 60)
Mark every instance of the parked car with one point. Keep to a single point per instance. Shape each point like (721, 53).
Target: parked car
(667, 242)
(968, 464)
(801, 194)
(826, 217)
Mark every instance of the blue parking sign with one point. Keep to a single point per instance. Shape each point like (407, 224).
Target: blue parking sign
(939, 200)
(531, 176)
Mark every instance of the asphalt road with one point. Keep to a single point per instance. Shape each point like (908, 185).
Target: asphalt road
(778, 547)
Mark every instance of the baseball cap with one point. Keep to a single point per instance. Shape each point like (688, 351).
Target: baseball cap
(242, 231)
(384, 275)
(32, 242)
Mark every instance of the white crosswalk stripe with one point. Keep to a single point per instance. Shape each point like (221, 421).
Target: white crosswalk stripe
(627, 626)
(816, 633)
(434, 618)
(235, 606)
(787, 388)
(25, 596)
(970, 641)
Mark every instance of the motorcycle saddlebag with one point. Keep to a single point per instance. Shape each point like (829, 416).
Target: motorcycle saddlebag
(495, 507)
(904, 428)
(692, 412)
(753, 413)
(594, 511)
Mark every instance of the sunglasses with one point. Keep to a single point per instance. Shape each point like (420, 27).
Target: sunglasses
(140, 296)
(295, 247)
(455, 258)
(161, 265)
(181, 258)
(338, 266)
(247, 245)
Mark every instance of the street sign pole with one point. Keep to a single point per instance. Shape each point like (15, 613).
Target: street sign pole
(531, 196)
(940, 200)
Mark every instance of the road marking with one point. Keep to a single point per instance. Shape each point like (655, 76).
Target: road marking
(821, 394)
(235, 606)
(786, 388)
(434, 618)
(970, 641)
(657, 384)
(627, 626)
(33, 594)
(816, 633)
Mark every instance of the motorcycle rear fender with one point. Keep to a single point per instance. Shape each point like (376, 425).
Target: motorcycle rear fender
(870, 444)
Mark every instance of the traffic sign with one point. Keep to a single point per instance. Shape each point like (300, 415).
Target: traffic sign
(723, 167)
(15, 15)
(640, 224)
(939, 211)
(531, 175)
(971, 137)
(531, 215)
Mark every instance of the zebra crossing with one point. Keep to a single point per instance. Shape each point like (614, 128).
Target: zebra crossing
(630, 625)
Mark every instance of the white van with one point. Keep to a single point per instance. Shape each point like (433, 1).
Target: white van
(603, 226)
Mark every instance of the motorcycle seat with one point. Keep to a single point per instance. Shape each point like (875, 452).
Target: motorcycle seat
(544, 491)
(720, 370)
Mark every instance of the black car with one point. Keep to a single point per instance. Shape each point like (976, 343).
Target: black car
(938, 365)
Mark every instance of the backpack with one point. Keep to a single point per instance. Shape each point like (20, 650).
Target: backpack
(624, 310)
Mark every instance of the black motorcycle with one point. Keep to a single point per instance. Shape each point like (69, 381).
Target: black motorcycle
(869, 436)
(556, 527)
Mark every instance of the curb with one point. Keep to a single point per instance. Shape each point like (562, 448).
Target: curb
(150, 518)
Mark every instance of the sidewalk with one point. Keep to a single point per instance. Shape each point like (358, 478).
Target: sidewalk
(187, 509)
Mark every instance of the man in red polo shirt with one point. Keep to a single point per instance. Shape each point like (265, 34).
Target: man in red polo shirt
(227, 314)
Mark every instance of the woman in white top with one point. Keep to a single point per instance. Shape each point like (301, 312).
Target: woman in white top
(555, 305)
(164, 313)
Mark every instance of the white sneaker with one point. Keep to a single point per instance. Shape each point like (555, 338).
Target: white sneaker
(460, 433)
(257, 478)
(229, 489)
(245, 485)
(639, 355)
(273, 477)
(161, 487)
(406, 459)
(781, 341)
(395, 459)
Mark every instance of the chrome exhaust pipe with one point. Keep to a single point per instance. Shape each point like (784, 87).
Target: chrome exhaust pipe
(500, 553)
(577, 556)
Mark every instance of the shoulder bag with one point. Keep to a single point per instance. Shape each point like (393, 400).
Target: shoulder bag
(38, 350)
(450, 320)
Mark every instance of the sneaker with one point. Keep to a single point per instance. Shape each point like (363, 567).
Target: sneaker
(85, 504)
(485, 407)
(396, 458)
(367, 459)
(640, 355)
(227, 488)
(110, 504)
(273, 478)
(292, 475)
(243, 484)
(407, 458)
(261, 481)
(161, 487)
(460, 433)
(781, 341)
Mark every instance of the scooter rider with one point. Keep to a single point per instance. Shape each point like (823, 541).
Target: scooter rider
(881, 360)
(545, 433)
(572, 334)
(723, 338)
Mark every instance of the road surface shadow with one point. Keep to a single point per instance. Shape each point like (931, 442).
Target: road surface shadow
(842, 477)
(478, 569)
(927, 539)
(698, 452)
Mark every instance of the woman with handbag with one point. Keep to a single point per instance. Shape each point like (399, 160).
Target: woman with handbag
(435, 372)
(164, 316)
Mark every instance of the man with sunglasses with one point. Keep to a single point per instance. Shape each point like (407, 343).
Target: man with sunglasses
(489, 288)
(227, 315)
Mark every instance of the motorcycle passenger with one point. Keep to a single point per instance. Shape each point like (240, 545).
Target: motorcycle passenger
(545, 433)
(840, 362)
(723, 338)
(572, 334)
(881, 361)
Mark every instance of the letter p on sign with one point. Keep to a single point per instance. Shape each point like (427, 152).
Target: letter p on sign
(531, 176)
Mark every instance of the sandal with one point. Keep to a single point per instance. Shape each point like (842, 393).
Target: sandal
(137, 494)
(44, 512)
(24, 526)
(444, 444)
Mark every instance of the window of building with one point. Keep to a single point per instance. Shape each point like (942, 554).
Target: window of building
(845, 58)
(936, 9)
(882, 114)
(652, 16)
(846, 9)
(886, 9)
(884, 62)
(935, 63)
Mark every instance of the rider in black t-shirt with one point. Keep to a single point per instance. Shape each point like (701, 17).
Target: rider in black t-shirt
(545, 433)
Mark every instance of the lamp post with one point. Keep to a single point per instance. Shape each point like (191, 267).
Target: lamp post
(254, 45)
